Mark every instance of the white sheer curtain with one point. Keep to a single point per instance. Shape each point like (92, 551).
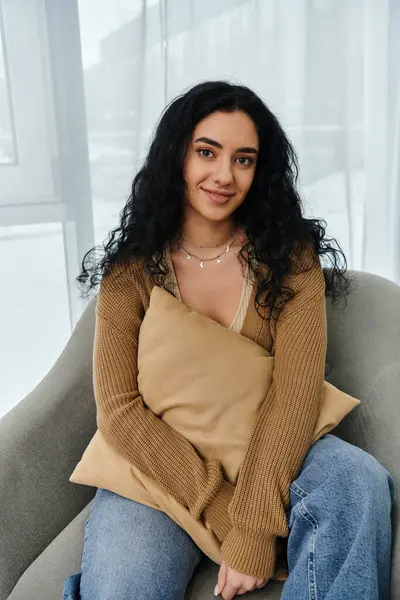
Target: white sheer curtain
(99, 75)
(322, 66)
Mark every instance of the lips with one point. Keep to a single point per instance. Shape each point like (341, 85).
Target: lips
(218, 198)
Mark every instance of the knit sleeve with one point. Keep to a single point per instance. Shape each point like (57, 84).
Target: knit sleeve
(282, 434)
(130, 426)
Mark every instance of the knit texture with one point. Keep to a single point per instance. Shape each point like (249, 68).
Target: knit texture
(248, 518)
(283, 430)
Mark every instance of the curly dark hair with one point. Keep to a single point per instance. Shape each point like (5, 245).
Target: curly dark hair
(271, 215)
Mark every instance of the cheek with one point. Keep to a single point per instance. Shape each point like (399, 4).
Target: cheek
(246, 179)
(193, 173)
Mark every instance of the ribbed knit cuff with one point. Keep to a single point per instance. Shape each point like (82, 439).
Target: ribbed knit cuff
(216, 512)
(250, 553)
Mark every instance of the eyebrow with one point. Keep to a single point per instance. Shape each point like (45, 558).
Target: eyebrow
(206, 140)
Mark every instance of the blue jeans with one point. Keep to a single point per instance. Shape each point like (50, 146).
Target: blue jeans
(339, 545)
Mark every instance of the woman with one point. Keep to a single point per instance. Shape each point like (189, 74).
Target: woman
(214, 217)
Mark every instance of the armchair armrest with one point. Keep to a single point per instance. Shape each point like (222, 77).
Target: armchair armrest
(364, 359)
(41, 440)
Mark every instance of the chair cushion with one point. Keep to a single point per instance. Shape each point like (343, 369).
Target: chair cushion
(44, 578)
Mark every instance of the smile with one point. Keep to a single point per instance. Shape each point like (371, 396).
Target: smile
(218, 198)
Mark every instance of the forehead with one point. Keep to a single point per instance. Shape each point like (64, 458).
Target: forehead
(234, 129)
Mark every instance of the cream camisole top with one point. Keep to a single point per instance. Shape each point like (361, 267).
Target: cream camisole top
(240, 315)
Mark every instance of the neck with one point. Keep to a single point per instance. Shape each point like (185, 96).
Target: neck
(207, 233)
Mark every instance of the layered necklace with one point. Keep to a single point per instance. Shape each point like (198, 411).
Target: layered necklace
(189, 255)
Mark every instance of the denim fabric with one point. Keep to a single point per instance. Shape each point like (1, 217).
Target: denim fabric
(339, 545)
(132, 551)
(340, 533)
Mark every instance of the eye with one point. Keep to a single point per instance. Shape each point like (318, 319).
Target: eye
(204, 150)
(249, 162)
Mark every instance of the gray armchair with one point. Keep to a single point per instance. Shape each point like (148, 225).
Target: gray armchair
(41, 440)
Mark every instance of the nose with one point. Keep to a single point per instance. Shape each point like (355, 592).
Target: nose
(223, 173)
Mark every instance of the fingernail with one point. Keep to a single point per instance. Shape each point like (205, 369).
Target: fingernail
(216, 590)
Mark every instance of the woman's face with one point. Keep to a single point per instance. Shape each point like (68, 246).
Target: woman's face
(220, 164)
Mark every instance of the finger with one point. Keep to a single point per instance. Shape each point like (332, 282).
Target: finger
(244, 590)
(241, 591)
(222, 573)
(229, 592)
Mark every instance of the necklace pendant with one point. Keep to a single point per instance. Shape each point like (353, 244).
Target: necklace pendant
(188, 257)
(202, 264)
(219, 260)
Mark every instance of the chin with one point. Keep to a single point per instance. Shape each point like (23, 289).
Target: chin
(217, 214)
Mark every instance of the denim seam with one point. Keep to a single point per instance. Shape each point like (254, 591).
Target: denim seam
(312, 580)
(296, 489)
(85, 539)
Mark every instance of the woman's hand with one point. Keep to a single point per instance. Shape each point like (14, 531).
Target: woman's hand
(231, 583)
